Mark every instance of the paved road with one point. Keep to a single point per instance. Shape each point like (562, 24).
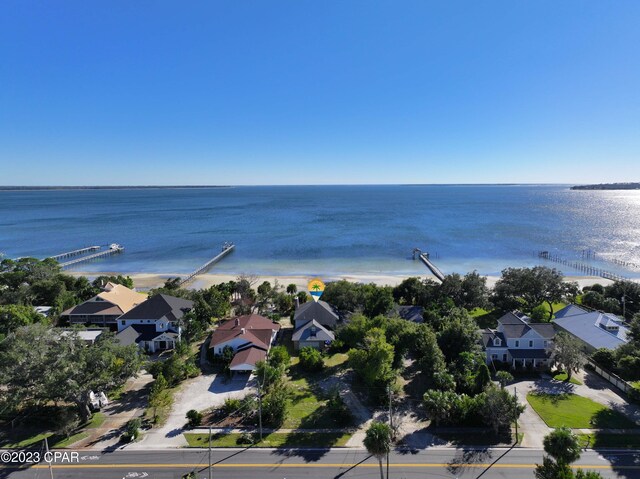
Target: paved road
(436, 463)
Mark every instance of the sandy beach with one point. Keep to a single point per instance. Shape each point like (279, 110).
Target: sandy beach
(146, 281)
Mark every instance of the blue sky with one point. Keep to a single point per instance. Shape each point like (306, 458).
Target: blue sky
(297, 92)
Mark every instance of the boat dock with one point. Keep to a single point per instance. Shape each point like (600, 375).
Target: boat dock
(582, 267)
(227, 248)
(424, 257)
(113, 249)
(77, 252)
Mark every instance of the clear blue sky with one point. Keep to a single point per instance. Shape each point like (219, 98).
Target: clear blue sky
(297, 92)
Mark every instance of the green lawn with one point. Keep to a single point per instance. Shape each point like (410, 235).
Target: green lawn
(307, 410)
(276, 439)
(563, 377)
(479, 438)
(576, 412)
(96, 420)
(71, 440)
(485, 318)
(337, 359)
(627, 441)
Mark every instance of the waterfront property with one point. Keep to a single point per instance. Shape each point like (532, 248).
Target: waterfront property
(321, 311)
(312, 334)
(105, 308)
(594, 329)
(155, 324)
(519, 342)
(250, 337)
(408, 312)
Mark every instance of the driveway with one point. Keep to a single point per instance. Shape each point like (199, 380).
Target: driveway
(200, 393)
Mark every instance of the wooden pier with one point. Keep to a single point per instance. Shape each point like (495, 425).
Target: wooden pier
(113, 249)
(582, 267)
(76, 252)
(424, 257)
(227, 248)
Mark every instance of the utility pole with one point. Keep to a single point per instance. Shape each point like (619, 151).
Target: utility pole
(210, 471)
(390, 425)
(260, 409)
(515, 395)
(46, 446)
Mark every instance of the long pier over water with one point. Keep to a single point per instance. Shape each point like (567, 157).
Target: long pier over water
(424, 257)
(113, 249)
(76, 252)
(227, 248)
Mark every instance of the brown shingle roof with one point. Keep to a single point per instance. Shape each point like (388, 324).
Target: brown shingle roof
(248, 356)
(257, 330)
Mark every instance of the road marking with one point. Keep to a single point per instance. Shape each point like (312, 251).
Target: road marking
(325, 465)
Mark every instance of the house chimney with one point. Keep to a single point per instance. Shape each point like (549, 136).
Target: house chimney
(237, 321)
(243, 331)
(297, 302)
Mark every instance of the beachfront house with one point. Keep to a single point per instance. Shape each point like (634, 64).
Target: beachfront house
(154, 325)
(518, 342)
(250, 337)
(594, 329)
(105, 308)
(312, 334)
(321, 311)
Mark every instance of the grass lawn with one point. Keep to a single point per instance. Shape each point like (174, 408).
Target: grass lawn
(485, 318)
(563, 377)
(71, 440)
(96, 420)
(337, 359)
(307, 410)
(478, 438)
(628, 441)
(576, 412)
(276, 439)
(162, 413)
(556, 306)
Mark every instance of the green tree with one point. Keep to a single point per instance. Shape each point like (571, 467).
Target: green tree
(292, 289)
(475, 293)
(562, 445)
(270, 376)
(526, 288)
(500, 409)
(567, 351)
(194, 418)
(13, 316)
(158, 397)
(439, 405)
(460, 334)
(427, 352)
(311, 359)
(374, 362)
(377, 440)
(504, 378)
(279, 356)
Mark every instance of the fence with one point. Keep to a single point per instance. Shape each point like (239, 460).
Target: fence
(618, 382)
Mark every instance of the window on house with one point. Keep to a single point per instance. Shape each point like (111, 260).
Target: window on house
(546, 343)
(494, 356)
(530, 344)
(122, 322)
(497, 342)
(517, 344)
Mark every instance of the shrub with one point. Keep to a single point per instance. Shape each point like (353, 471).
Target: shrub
(605, 358)
(231, 406)
(194, 418)
(246, 438)
(132, 431)
(338, 409)
(279, 356)
(311, 359)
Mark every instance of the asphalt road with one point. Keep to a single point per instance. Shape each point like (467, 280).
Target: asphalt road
(333, 464)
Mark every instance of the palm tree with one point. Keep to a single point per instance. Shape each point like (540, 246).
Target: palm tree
(378, 441)
(562, 445)
(292, 289)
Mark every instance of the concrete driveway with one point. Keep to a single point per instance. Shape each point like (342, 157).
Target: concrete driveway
(200, 393)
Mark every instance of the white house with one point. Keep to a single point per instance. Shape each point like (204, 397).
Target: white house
(519, 342)
(249, 336)
(154, 324)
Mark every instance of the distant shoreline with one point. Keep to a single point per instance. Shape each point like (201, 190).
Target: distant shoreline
(608, 186)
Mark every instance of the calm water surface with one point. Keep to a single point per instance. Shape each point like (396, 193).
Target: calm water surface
(325, 229)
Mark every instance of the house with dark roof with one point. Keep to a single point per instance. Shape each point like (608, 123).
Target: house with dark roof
(105, 308)
(519, 342)
(312, 334)
(249, 336)
(594, 329)
(320, 311)
(155, 324)
(407, 312)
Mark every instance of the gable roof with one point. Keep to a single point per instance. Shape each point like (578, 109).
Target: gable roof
(488, 335)
(141, 332)
(570, 310)
(591, 328)
(305, 332)
(116, 299)
(158, 307)
(410, 313)
(321, 311)
(252, 328)
(515, 325)
(249, 356)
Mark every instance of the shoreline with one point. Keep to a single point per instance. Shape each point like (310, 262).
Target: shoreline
(146, 281)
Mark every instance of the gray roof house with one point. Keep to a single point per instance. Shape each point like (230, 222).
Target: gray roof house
(320, 311)
(154, 324)
(410, 313)
(519, 342)
(593, 328)
(313, 334)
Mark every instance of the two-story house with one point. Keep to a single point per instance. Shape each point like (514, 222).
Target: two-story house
(519, 342)
(155, 324)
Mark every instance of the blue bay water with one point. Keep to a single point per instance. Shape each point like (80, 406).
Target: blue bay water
(327, 230)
